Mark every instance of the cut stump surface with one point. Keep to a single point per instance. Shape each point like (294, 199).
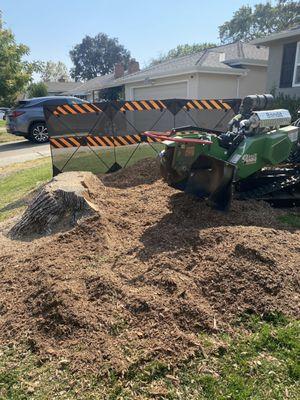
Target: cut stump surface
(60, 203)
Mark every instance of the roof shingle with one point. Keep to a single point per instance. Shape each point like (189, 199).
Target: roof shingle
(61, 86)
(209, 58)
(218, 58)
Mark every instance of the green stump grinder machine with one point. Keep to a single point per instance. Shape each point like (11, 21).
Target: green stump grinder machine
(257, 158)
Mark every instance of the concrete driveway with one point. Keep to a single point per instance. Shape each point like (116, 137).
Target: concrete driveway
(14, 152)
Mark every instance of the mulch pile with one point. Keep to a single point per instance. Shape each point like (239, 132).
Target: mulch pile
(141, 278)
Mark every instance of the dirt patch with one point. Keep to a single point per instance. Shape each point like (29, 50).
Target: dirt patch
(145, 275)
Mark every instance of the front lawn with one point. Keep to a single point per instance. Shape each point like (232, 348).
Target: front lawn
(260, 362)
(7, 137)
(17, 181)
(291, 219)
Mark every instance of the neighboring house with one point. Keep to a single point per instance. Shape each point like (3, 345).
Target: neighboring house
(58, 88)
(284, 61)
(227, 71)
(91, 89)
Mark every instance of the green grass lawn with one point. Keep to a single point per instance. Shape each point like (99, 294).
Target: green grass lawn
(261, 363)
(17, 181)
(7, 137)
(99, 160)
(291, 219)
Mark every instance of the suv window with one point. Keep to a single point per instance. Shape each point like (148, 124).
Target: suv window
(56, 102)
(76, 101)
(23, 103)
(31, 103)
(49, 102)
(63, 100)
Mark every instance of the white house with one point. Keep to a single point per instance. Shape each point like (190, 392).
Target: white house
(284, 61)
(227, 71)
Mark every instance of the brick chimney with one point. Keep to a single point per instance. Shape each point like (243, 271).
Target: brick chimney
(119, 70)
(133, 66)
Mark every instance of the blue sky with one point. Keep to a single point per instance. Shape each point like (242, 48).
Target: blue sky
(146, 28)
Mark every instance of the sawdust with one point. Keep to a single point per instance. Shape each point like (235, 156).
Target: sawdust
(145, 275)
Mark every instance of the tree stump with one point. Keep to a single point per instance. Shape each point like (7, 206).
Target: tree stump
(62, 201)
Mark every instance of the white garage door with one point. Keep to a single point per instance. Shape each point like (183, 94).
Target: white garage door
(160, 92)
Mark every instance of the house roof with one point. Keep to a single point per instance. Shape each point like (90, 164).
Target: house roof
(97, 83)
(54, 87)
(218, 60)
(225, 59)
(288, 33)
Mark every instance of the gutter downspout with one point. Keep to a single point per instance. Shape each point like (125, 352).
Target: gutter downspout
(238, 86)
(238, 81)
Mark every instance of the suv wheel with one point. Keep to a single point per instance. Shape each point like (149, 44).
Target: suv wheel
(38, 133)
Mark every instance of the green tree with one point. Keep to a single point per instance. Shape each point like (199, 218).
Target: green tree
(15, 74)
(96, 56)
(54, 72)
(37, 90)
(181, 50)
(260, 20)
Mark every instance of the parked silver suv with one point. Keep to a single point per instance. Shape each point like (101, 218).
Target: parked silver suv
(27, 118)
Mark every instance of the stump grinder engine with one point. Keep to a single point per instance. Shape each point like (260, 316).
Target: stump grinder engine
(257, 158)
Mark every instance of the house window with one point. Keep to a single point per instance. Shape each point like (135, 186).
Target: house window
(296, 80)
(288, 65)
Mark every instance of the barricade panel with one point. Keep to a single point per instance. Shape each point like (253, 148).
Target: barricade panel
(104, 137)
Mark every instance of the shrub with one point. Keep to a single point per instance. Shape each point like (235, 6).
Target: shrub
(291, 103)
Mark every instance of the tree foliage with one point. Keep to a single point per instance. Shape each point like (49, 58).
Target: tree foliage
(181, 50)
(15, 74)
(96, 56)
(54, 72)
(260, 20)
(37, 90)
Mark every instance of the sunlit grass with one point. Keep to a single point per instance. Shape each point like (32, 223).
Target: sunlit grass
(7, 137)
(17, 181)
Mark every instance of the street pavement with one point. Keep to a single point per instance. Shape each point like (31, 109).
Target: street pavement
(14, 152)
